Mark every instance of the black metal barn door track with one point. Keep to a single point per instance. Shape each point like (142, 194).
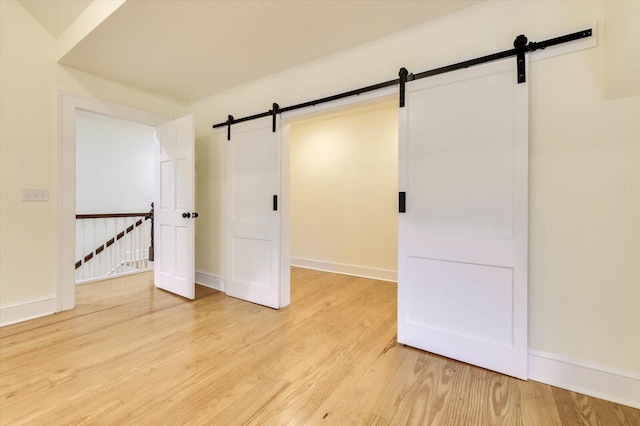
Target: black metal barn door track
(520, 48)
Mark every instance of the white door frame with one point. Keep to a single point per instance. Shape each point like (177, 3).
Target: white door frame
(68, 104)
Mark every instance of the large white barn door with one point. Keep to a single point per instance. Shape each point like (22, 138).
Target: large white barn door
(174, 207)
(253, 214)
(462, 261)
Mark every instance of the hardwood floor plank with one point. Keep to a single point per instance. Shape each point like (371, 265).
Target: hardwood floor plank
(574, 408)
(413, 404)
(537, 404)
(132, 354)
(614, 413)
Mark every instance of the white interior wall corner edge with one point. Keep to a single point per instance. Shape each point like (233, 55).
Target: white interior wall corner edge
(89, 20)
(622, 387)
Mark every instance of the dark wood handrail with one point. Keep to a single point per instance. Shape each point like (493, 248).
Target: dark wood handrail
(108, 215)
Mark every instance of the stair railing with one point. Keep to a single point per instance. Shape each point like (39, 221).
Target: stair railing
(110, 244)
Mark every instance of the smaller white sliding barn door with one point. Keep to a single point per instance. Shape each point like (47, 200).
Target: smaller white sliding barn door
(253, 214)
(462, 261)
(174, 207)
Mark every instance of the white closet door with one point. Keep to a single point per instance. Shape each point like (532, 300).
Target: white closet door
(462, 263)
(253, 217)
(174, 227)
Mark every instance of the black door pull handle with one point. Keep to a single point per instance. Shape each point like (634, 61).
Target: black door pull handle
(402, 202)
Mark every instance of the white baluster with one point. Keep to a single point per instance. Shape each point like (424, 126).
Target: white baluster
(107, 250)
(114, 221)
(117, 249)
(141, 248)
(84, 248)
(101, 255)
(128, 247)
(138, 245)
(92, 263)
(123, 256)
(95, 260)
(96, 256)
(116, 244)
(124, 246)
(131, 246)
(120, 249)
(105, 259)
(135, 243)
(142, 241)
(145, 245)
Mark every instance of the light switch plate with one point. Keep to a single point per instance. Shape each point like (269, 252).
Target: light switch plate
(35, 194)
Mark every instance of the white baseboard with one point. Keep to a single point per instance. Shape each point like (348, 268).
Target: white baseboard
(111, 277)
(341, 268)
(22, 311)
(590, 379)
(210, 280)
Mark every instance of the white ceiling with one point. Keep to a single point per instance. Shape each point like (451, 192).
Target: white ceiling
(55, 15)
(191, 49)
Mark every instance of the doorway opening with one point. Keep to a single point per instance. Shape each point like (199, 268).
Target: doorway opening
(114, 197)
(71, 105)
(343, 191)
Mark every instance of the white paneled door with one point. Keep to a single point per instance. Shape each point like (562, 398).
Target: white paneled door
(462, 264)
(253, 214)
(174, 220)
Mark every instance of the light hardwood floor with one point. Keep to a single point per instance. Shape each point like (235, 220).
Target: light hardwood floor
(132, 354)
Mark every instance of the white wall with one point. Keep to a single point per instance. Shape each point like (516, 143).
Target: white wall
(344, 190)
(114, 165)
(584, 282)
(30, 79)
(622, 61)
